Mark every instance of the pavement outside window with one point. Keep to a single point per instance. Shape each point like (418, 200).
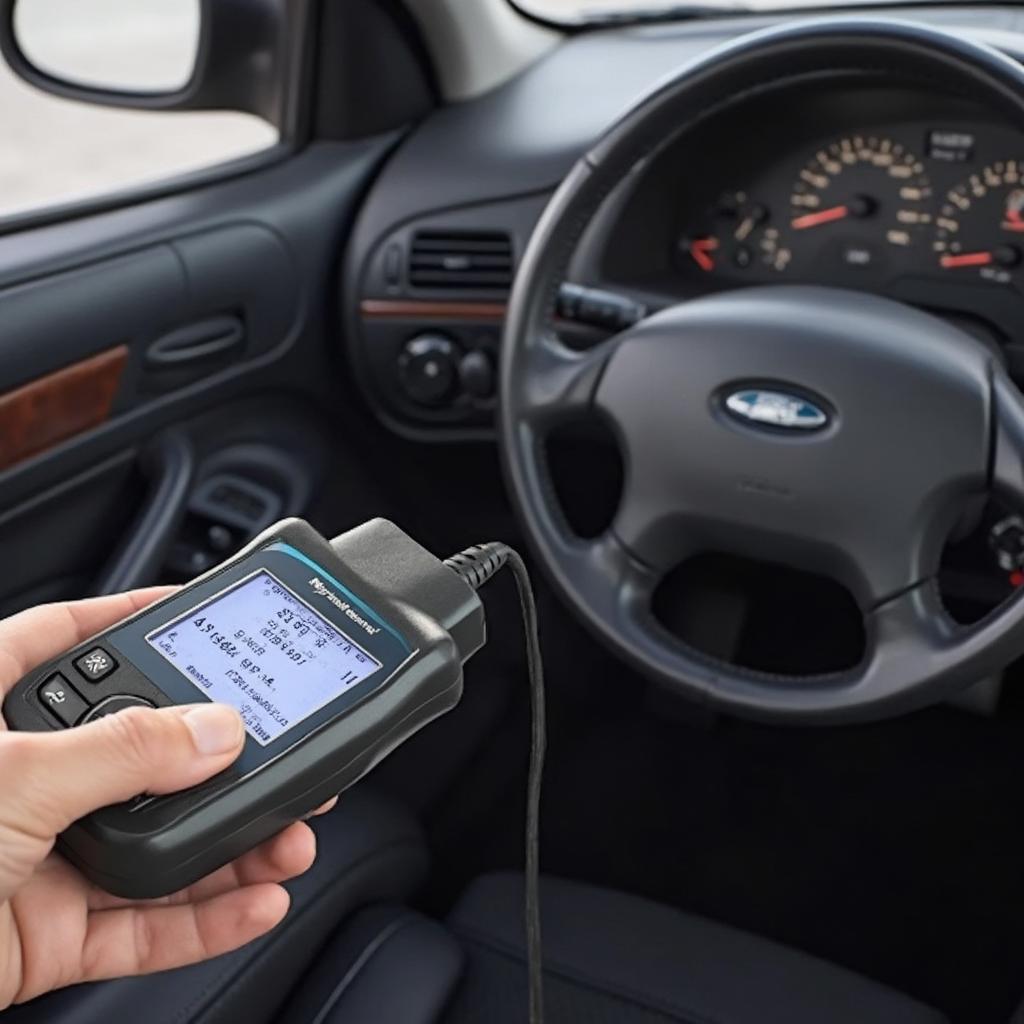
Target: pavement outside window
(55, 151)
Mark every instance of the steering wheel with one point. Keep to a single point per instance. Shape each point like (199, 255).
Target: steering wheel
(824, 429)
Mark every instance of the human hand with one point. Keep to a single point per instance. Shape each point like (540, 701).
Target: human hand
(56, 928)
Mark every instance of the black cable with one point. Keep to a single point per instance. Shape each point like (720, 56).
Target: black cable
(476, 566)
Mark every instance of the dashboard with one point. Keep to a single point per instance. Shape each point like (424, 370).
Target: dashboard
(861, 181)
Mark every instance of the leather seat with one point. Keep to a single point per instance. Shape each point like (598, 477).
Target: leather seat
(609, 959)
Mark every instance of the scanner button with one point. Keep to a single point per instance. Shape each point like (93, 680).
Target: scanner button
(112, 705)
(61, 699)
(95, 665)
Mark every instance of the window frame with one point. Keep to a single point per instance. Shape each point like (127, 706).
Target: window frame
(293, 128)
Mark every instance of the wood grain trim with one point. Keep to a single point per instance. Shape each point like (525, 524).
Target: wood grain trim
(410, 309)
(39, 415)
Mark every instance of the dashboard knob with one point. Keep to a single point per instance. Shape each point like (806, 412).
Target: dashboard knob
(476, 374)
(428, 369)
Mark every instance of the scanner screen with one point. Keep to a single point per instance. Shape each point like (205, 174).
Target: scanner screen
(262, 649)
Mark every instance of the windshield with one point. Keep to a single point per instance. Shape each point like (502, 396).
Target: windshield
(582, 11)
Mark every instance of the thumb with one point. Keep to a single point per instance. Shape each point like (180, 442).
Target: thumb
(55, 778)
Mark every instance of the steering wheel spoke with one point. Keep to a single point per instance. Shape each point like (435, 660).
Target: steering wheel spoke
(906, 637)
(1008, 454)
(651, 538)
(912, 644)
(619, 587)
(558, 382)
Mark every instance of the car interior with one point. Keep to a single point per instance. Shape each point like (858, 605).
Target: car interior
(710, 312)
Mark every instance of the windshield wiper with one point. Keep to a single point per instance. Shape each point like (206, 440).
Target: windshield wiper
(649, 15)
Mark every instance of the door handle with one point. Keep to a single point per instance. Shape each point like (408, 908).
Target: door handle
(206, 339)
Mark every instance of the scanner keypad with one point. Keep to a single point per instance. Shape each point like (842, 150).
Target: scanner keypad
(92, 682)
(95, 665)
(62, 700)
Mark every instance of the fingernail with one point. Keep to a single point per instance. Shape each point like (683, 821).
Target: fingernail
(216, 729)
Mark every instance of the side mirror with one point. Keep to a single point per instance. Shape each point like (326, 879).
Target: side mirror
(152, 54)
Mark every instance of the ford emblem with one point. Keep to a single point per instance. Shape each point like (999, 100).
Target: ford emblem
(775, 409)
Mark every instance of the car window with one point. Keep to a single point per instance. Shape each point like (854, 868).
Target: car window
(577, 11)
(56, 150)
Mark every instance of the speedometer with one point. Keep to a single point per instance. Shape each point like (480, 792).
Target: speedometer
(864, 181)
(980, 228)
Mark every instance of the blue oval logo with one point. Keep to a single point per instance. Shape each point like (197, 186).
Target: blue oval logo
(777, 409)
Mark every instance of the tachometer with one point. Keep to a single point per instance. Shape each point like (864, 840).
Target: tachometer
(863, 179)
(980, 227)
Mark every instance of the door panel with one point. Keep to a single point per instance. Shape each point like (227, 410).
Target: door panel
(60, 319)
(232, 281)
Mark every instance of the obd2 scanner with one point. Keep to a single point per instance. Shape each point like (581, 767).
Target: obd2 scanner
(333, 652)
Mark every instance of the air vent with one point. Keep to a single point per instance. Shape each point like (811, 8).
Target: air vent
(466, 260)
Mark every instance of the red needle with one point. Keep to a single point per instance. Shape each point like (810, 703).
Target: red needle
(811, 220)
(967, 259)
(701, 250)
(1013, 220)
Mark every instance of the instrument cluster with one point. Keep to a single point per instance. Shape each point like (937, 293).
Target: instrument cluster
(874, 186)
(872, 206)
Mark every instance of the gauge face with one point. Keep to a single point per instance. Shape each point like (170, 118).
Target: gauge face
(980, 228)
(864, 185)
(739, 235)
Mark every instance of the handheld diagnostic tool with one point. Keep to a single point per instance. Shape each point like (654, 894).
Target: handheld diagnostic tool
(334, 653)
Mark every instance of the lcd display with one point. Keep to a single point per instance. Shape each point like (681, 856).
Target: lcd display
(260, 648)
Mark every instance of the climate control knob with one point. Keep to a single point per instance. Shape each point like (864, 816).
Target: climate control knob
(428, 369)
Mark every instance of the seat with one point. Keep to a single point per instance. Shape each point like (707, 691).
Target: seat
(609, 958)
